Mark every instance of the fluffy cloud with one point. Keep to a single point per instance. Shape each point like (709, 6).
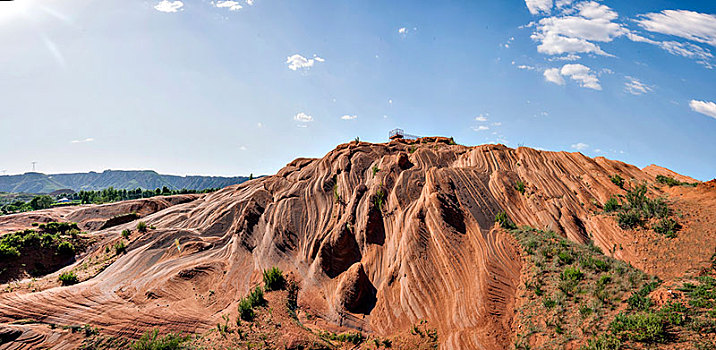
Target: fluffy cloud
(297, 61)
(481, 117)
(587, 23)
(303, 118)
(349, 117)
(228, 4)
(580, 146)
(695, 26)
(581, 74)
(636, 87)
(539, 6)
(402, 30)
(552, 75)
(577, 72)
(169, 6)
(703, 107)
(89, 139)
(481, 128)
(250, 2)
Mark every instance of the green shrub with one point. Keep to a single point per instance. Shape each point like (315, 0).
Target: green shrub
(612, 205)
(152, 341)
(68, 278)
(142, 226)
(629, 219)
(666, 180)
(639, 300)
(65, 249)
(641, 327)
(548, 302)
(375, 169)
(126, 233)
(246, 311)
(617, 180)
(379, 198)
(273, 279)
(667, 227)
(505, 221)
(565, 258)
(8, 252)
(603, 342)
(120, 248)
(256, 297)
(572, 274)
(520, 186)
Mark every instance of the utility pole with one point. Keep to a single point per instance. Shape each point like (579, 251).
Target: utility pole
(33, 166)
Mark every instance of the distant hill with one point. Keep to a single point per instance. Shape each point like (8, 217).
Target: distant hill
(120, 179)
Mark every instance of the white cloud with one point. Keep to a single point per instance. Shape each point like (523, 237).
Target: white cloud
(303, 118)
(580, 146)
(552, 75)
(297, 61)
(349, 117)
(242, 148)
(526, 67)
(576, 30)
(636, 87)
(570, 57)
(581, 74)
(403, 30)
(169, 6)
(229, 4)
(250, 2)
(481, 128)
(497, 124)
(539, 6)
(695, 26)
(482, 117)
(260, 124)
(703, 107)
(89, 139)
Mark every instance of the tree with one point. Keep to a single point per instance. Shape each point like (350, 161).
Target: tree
(41, 202)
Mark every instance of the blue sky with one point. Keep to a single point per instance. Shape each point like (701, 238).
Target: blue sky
(237, 87)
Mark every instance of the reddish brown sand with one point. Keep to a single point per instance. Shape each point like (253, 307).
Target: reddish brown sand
(379, 236)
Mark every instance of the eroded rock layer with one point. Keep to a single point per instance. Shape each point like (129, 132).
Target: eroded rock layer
(380, 236)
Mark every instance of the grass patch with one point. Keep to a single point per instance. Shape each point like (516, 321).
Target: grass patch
(152, 341)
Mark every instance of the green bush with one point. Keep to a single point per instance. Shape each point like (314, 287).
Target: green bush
(8, 252)
(246, 311)
(142, 226)
(505, 221)
(667, 227)
(669, 181)
(273, 279)
(603, 342)
(256, 297)
(520, 186)
(629, 219)
(612, 205)
(152, 341)
(642, 327)
(565, 258)
(68, 278)
(639, 300)
(126, 233)
(572, 274)
(617, 180)
(120, 248)
(65, 249)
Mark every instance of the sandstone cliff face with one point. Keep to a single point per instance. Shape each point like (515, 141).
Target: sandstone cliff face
(380, 236)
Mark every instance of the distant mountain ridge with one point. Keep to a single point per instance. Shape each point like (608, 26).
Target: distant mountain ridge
(120, 179)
